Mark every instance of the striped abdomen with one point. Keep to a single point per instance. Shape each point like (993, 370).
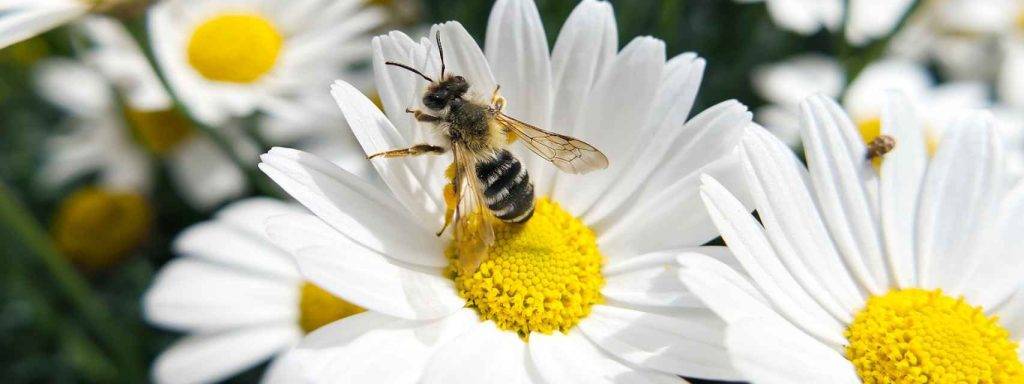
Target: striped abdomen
(508, 191)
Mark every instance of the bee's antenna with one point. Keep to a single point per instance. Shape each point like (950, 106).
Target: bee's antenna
(440, 50)
(410, 69)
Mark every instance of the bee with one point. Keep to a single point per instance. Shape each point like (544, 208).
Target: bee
(488, 180)
(880, 145)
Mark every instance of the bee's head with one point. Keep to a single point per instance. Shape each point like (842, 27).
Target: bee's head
(440, 94)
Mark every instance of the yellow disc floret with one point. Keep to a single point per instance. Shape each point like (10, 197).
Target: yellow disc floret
(920, 336)
(541, 276)
(96, 228)
(237, 48)
(159, 131)
(318, 308)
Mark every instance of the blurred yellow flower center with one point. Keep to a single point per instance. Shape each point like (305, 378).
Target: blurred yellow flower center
(159, 131)
(318, 308)
(237, 48)
(919, 336)
(541, 276)
(96, 228)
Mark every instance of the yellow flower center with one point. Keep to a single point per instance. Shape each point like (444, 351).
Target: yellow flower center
(871, 128)
(919, 336)
(159, 131)
(237, 48)
(318, 308)
(541, 276)
(96, 228)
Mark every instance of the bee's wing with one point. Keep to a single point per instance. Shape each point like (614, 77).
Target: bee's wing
(569, 154)
(472, 218)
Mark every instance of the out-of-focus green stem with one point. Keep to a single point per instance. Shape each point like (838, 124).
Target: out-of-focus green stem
(855, 59)
(19, 224)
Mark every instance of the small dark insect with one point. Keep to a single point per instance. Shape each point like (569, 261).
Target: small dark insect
(488, 181)
(880, 146)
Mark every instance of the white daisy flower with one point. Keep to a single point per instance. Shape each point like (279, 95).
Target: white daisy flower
(804, 16)
(787, 83)
(119, 111)
(232, 58)
(239, 298)
(599, 302)
(908, 274)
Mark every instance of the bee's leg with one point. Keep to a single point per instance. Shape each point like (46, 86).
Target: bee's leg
(497, 102)
(423, 116)
(419, 149)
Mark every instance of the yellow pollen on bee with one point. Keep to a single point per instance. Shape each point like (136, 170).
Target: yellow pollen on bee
(236, 48)
(540, 276)
(318, 308)
(96, 228)
(159, 131)
(921, 336)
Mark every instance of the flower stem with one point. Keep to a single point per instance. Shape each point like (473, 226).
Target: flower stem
(22, 227)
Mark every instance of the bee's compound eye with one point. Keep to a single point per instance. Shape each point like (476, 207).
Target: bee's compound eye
(434, 100)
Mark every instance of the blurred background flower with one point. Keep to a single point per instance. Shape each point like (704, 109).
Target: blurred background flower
(129, 127)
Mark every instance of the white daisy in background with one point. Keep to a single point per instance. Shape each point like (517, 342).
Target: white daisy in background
(787, 83)
(232, 58)
(239, 298)
(909, 274)
(119, 112)
(599, 302)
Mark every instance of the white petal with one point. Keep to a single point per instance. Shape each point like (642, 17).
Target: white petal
(1001, 269)
(73, 86)
(689, 343)
(1011, 313)
(870, 19)
(205, 175)
(517, 50)
(959, 195)
(226, 245)
(730, 295)
(747, 240)
(376, 134)
(769, 350)
(285, 369)
(844, 183)
(571, 358)
(462, 56)
(671, 219)
(652, 279)
(353, 206)
(794, 225)
(586, 45)
(214, 357)
(901, 175)
(371, 347)
(361, 275)
(789, 82)
(483, 354)
(616, 109)
(805, 16)
(30, 20)
(190, 294)
(865, 94)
